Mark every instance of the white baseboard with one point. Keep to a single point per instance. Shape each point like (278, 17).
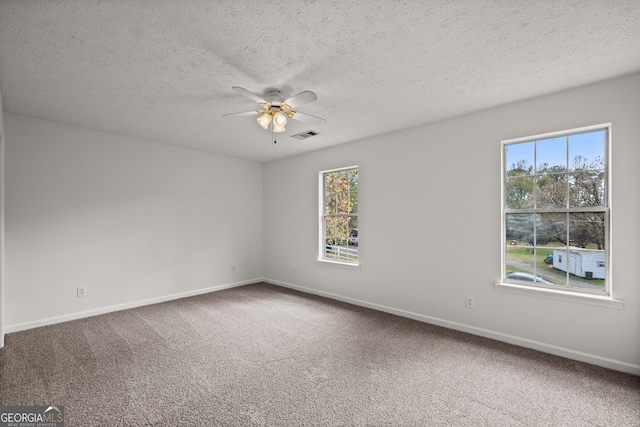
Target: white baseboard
(498, 336)
(83, 314)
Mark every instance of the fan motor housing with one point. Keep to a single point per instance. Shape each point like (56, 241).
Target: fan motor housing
(275, 97)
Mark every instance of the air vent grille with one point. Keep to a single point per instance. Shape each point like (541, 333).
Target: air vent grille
(305, 135)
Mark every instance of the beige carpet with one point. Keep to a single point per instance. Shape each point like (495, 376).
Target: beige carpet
(260, 355)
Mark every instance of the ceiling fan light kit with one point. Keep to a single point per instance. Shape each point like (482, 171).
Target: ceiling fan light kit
(275, 109)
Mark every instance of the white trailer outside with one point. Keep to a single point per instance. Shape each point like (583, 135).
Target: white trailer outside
(587, 263)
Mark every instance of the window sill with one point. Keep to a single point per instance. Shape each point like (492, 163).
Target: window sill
(598, 300)
(347, 265)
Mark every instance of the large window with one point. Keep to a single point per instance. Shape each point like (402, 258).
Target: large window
(339, 215)
(556, 210)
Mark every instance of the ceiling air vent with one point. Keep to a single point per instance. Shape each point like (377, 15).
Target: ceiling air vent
(305, 135)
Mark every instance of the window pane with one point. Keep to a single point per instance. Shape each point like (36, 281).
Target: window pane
(586, 230)
(518, 228)
(552, 229)
(586, 151)
(551, 191)
(586, 188)
(551, 155)
(329, 182)
(519, 192)
(353, 226)
(519, 262)
(353, 180)
(586, 255)
(353, 190)
(353, 198)
(336, 230)
(336, 182)
(519, 159)
(331, 203)
(342, 200)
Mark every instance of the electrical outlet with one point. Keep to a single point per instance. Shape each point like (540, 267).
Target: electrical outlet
(471, 302)
(82, 291)
(233, 269)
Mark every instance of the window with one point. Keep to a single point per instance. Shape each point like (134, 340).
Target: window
(339, 215)
(556, 210)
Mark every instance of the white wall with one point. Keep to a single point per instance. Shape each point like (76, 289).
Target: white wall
(430, 225)
(134, 221)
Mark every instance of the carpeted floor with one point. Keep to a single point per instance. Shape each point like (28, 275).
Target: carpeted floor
(261, 355)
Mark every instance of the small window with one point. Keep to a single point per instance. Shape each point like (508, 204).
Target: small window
(555, 205)
(339, 233)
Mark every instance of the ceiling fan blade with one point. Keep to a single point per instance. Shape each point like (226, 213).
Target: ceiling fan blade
(245, 113)
(248, 94)
(300, 99)
(309, 119)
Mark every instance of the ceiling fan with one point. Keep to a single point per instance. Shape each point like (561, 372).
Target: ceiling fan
(275, 109)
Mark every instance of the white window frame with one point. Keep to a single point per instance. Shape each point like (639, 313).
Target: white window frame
(565, 293)
(321, 221)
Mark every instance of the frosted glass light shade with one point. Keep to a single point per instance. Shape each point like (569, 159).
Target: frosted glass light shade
(279, 120)
(264, 120)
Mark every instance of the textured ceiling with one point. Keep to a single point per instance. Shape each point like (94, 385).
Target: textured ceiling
(163, 70)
